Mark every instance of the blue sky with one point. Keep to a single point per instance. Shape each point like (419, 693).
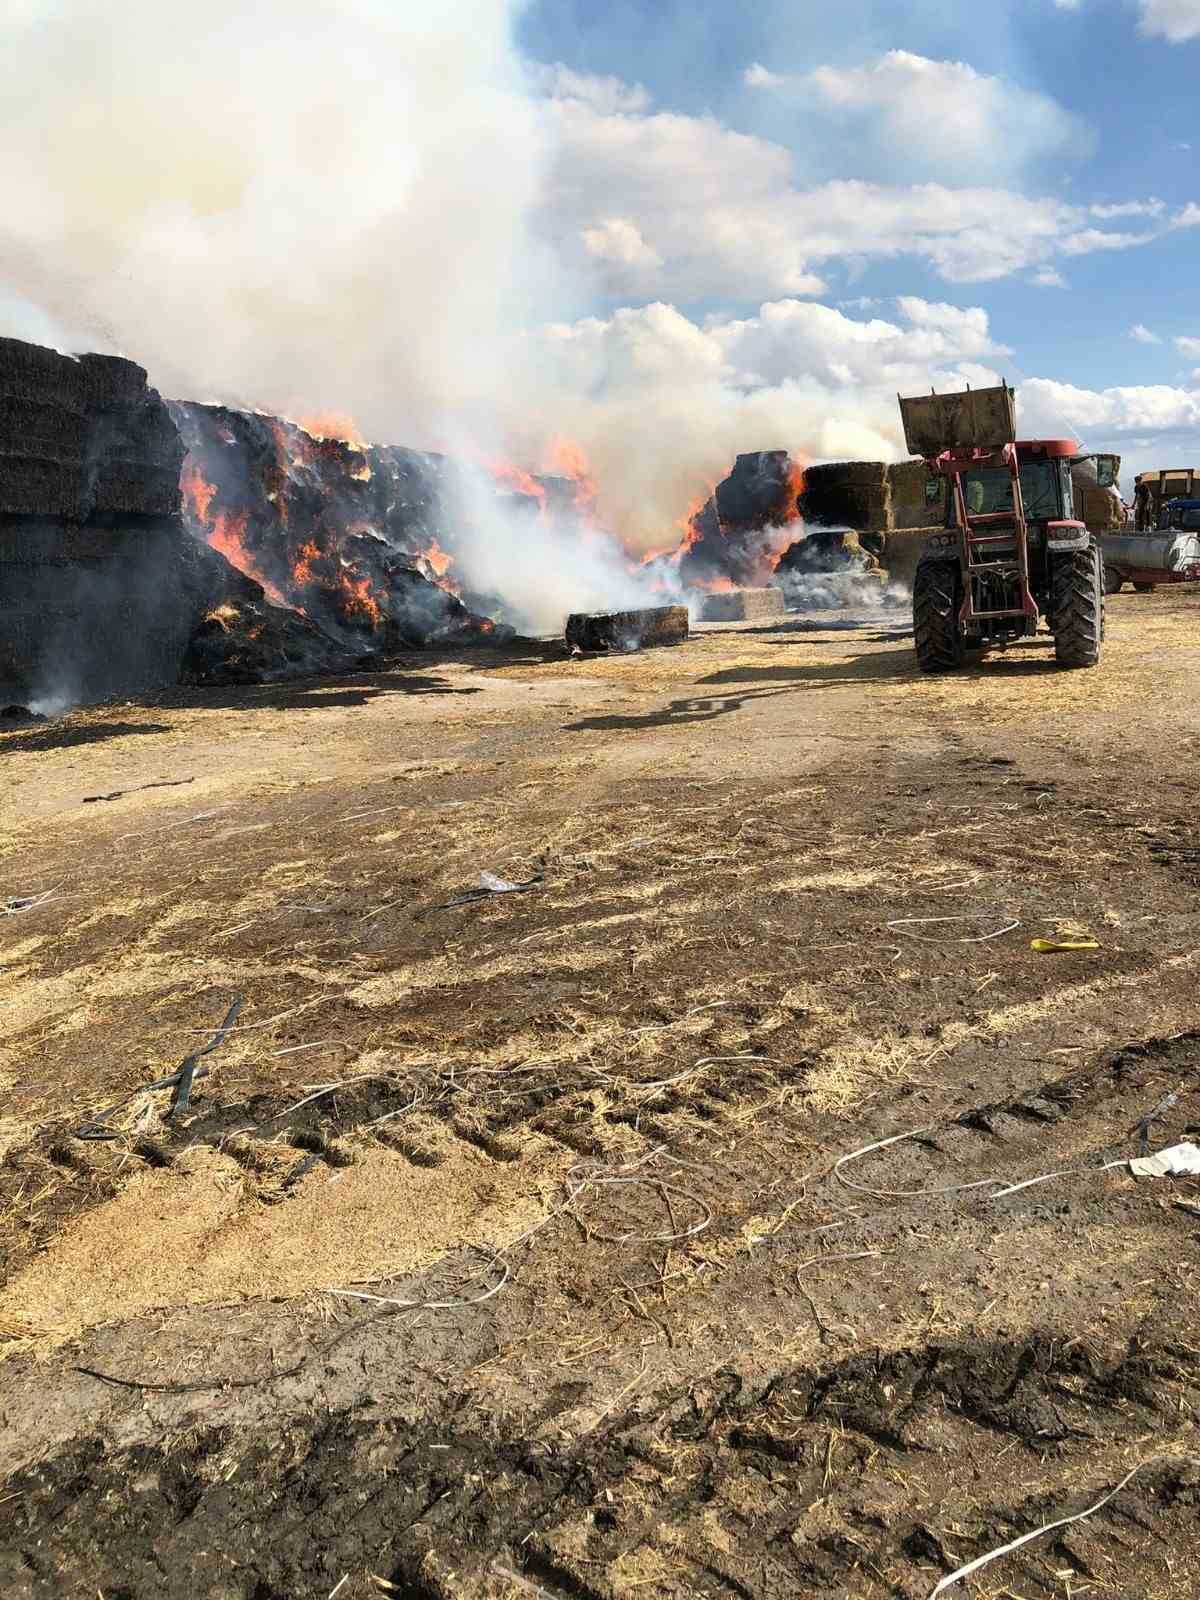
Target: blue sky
(1093, 104)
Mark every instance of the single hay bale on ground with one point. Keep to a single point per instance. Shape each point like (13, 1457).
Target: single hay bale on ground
(627, 630)
(740, 605)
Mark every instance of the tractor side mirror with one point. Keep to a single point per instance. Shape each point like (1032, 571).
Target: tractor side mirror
(1107, 471)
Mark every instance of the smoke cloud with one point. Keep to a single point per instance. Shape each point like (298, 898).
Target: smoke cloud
(282, 204)
(383, 210)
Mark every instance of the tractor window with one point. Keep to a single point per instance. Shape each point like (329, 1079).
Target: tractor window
(990, 489)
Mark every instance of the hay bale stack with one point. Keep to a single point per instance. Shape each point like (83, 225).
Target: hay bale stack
(743, 605)
(135, 453)
(83, 438)
(847, 494)
(627, 630)
(43, 431)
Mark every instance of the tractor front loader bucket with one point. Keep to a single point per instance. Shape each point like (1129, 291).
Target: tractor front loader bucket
(976, 419)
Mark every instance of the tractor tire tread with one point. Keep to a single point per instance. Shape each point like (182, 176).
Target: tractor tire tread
(1078, 608)
(936, 593)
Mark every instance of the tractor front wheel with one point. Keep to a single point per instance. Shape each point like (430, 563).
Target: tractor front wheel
(937, 598)
(1078, 606)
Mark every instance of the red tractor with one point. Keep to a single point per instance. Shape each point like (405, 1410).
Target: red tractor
(1013, 550)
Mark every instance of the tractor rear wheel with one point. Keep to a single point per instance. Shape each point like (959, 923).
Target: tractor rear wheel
(1078, 606)
(937, 597)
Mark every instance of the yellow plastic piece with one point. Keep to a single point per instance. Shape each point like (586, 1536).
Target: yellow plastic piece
(1052, 946)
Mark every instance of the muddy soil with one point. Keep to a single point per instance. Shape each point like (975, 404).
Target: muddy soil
(664, 1227)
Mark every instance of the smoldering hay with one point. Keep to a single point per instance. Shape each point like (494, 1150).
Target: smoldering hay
(298, 207)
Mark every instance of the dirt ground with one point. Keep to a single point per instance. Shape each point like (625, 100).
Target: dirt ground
(513, 1246)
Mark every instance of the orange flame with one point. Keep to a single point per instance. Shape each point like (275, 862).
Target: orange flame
(688, 528)
(514, 477)
(302, 567)
(566, 459)
(334, 425)
(357, 599)
(197, 491)
(438, 559)
(226, 531)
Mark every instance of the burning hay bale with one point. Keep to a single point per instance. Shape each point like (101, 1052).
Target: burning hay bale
(247, 641)
(743, 605)
(621, 631)
(353, 535)
(737, 535)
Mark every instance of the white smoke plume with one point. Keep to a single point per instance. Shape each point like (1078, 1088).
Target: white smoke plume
(373, 209)
(285, 203)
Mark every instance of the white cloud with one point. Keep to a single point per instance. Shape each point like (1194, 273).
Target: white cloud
(613, 96)
(725, 217)
(616, 239)
(988, 126)
(756, 76)
(1189, 217)
(1068, 5)
(1049, 278)
(1046, 405)
(1143, 335)
(1128, 208)
(1188, 347)
(1174, 20)
(1087, 240)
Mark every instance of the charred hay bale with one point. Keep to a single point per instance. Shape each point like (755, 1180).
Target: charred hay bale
(825, 550)
(756, 492)
(134, 452)
(34, 486)
(627, 630)
(32, 372)
(246, 641)
(43, 431)
(83, 437)
(742, 605)
(111, 382)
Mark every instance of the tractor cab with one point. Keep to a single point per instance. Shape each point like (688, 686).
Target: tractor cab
(1044, 471)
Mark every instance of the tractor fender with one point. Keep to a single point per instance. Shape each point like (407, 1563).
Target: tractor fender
(1061, 536)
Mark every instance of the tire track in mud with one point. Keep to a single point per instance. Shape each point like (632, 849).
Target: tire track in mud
(854, 1473)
